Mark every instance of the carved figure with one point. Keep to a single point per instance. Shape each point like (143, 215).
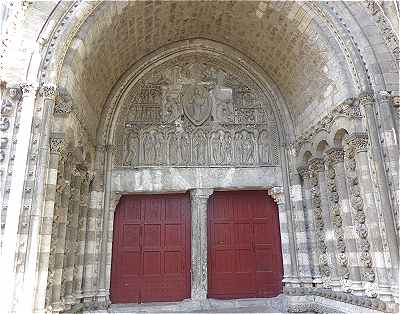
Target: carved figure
(158, 147)
(196, 103)
(199, 148)
(148, 148)
(184, 148)
(131, 149)
(173, 149)
(248, 148)
(264, 148)
(227, 148)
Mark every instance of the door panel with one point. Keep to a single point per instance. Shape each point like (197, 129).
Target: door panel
(244, 254)
(151, 249)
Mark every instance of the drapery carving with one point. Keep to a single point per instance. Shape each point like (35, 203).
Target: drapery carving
(192, 112)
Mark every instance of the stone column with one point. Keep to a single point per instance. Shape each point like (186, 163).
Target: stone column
(199, 199)
(71, 238)
(388, 211)
(10, 245)
(301, 233)
(49, 242)
(309, 224)
(369, 220)
(81, 238)
(316, 167)
(93, 233)
(348, 245)
(289, 277)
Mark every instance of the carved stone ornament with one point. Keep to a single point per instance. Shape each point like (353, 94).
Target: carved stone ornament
(49, 91)
(349, 108)
(193, 111)
(316, 164)
(335, 155)
(277, 194)
(56, 145)
(358, 141)
(366, 99)
(27, 89)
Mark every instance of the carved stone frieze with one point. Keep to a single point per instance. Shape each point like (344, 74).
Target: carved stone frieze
(391, 40)
(335, 155)
(57, 145)
(358, 141)
(193, 112)
(48, 91)
(349, 108)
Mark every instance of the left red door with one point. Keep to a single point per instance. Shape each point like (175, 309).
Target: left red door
(151, 249)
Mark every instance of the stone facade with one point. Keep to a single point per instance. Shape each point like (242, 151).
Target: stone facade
(102, 99)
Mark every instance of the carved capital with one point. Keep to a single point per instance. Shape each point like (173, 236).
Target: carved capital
(316, 164)
(49, 91)
(62, 107)
(366, 99)
(277, 194)
(115, 197)
(57, 145)
(358, 142)
(335, 155)
(27, 89)
(201, 194)
(304, 172)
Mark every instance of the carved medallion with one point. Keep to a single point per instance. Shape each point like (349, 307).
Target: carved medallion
(196, 103)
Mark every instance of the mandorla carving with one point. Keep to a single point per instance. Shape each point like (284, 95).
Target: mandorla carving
(195, 112)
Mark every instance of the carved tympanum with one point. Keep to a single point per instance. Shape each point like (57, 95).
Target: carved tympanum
(193, 111)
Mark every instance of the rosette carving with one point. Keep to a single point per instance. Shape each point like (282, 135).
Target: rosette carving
(357, 143)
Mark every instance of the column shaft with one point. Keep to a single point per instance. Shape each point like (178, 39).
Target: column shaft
(199, 198)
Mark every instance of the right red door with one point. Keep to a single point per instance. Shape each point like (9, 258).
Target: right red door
(244, 251)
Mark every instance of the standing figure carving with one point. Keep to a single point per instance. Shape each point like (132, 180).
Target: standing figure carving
(216, 143)
(173, 149)
(248, 148)
(264, 148)
(148, 148)
(184, 148)
(131, 149)
(227, 148)
(158, 147)
(199, 148)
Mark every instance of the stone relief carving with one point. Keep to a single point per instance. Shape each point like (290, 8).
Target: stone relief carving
(315, 166)
(349, 108)
(334, 156)
(193, 112)
(353, 145)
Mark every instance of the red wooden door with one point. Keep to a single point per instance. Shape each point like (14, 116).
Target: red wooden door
(244, 251)
(151, 249)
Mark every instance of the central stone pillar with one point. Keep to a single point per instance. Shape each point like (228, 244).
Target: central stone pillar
(199, 198)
